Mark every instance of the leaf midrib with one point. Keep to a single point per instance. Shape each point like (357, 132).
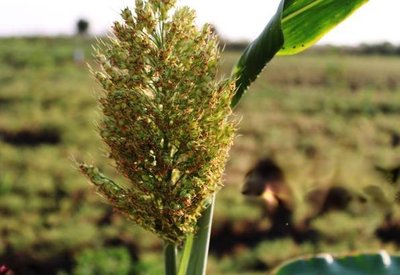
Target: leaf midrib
(303, 9)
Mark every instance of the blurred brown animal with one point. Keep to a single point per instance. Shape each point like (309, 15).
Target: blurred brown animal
(266, 180)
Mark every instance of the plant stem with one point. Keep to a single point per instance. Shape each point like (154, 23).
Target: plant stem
(170, 254)
(201, 242)
(186, 255)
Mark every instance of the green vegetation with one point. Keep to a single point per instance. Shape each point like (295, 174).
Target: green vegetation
(326, 121)
(104, 261)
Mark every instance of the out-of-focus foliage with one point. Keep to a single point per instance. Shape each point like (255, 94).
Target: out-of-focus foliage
(326, 121)
(105, 261)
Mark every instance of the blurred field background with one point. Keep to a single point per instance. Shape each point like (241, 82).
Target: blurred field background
(326, 117)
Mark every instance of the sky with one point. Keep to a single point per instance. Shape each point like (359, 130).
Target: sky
(377, 21)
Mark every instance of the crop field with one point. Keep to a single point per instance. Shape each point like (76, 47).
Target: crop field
(327, 120)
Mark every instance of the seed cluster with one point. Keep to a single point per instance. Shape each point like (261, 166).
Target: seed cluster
(166, 119)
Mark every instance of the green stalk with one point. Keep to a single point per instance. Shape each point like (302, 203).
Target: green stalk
(170, 253)
(186, 255)
(199, 253)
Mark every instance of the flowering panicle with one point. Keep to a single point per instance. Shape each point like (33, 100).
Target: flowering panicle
(165, 117)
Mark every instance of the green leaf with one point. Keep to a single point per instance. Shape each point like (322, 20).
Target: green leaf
(305, 22)
(258, 54)
(366, 264)
(296, 26)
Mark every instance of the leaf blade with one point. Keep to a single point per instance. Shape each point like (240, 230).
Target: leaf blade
(257, 54)
(316, 17)
(283, 36)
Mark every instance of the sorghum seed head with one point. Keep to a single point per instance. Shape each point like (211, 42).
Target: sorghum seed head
(165, 117)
